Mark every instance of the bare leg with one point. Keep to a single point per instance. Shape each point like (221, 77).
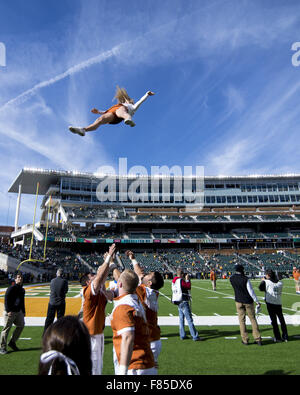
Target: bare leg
(123, 113)
(104, 119)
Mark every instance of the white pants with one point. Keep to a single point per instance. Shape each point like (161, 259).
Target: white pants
(133, 372)
(156, 349)
(97, 346)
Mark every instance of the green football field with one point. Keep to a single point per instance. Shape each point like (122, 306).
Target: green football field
(220, 352)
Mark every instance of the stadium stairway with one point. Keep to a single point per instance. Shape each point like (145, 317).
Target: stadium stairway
(290, 258)
(242, 258)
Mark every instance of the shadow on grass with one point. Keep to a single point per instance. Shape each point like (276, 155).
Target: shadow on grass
(277, 373)
(210, 334)
(21, 350)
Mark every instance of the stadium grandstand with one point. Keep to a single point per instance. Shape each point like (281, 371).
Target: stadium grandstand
(253, 220)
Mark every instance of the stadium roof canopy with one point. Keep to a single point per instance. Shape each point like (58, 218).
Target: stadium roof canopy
(29, 177)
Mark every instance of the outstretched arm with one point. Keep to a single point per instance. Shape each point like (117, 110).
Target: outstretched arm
(95, 111)
(138, 103)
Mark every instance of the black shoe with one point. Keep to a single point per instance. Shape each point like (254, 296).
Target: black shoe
(245, 343)
(198, 339)
(259, 342)
(13, 345)
(3, 351)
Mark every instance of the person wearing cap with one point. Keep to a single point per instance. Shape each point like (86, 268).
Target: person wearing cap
(244, 300)
(57, 303)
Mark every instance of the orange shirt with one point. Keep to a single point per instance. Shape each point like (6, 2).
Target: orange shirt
(94, 310)
(149, 299)
(296, 274)
(128, 315)
(213, 276)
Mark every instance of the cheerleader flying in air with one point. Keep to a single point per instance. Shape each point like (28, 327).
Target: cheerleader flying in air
(122, 111)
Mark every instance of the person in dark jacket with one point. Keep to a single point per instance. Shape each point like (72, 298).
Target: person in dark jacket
(14, 313)
(244, 300)
(57, 303)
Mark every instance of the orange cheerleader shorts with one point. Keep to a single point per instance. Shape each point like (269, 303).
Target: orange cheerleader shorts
(113, 110)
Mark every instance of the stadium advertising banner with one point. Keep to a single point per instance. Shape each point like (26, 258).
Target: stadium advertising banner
(276, 240)
(60, 239)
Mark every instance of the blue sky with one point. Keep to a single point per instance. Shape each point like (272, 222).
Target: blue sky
(227, 94)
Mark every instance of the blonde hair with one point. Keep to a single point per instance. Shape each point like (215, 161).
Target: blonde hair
(122, 96)
(129, 280)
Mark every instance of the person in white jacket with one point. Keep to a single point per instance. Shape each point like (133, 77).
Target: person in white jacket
(122, 111)
(273, 290)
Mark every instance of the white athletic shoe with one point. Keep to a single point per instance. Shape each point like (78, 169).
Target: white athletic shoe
(129, 122)
(79, 131)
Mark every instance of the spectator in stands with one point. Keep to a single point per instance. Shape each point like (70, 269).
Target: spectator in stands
(244, 300)
(57, 303)
(66, 349)
(131, 344)
(122, 111)
(95, 300)
(14, 313)
(296, 276)
(148, 292)
(273, 289)
(182, 284)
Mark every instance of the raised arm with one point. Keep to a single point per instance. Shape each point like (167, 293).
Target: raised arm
(103, 270)
(138, 103)
(136, 266)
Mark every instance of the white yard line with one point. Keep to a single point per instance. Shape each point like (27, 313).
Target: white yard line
(261, 298)
(212, 320)
(167, 297)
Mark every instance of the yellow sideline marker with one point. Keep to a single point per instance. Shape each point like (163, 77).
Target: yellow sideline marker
(37, 307)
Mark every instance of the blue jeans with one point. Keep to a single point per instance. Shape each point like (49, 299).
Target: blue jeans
(185, 312)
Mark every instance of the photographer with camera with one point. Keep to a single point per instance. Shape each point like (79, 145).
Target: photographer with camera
(181, 286)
